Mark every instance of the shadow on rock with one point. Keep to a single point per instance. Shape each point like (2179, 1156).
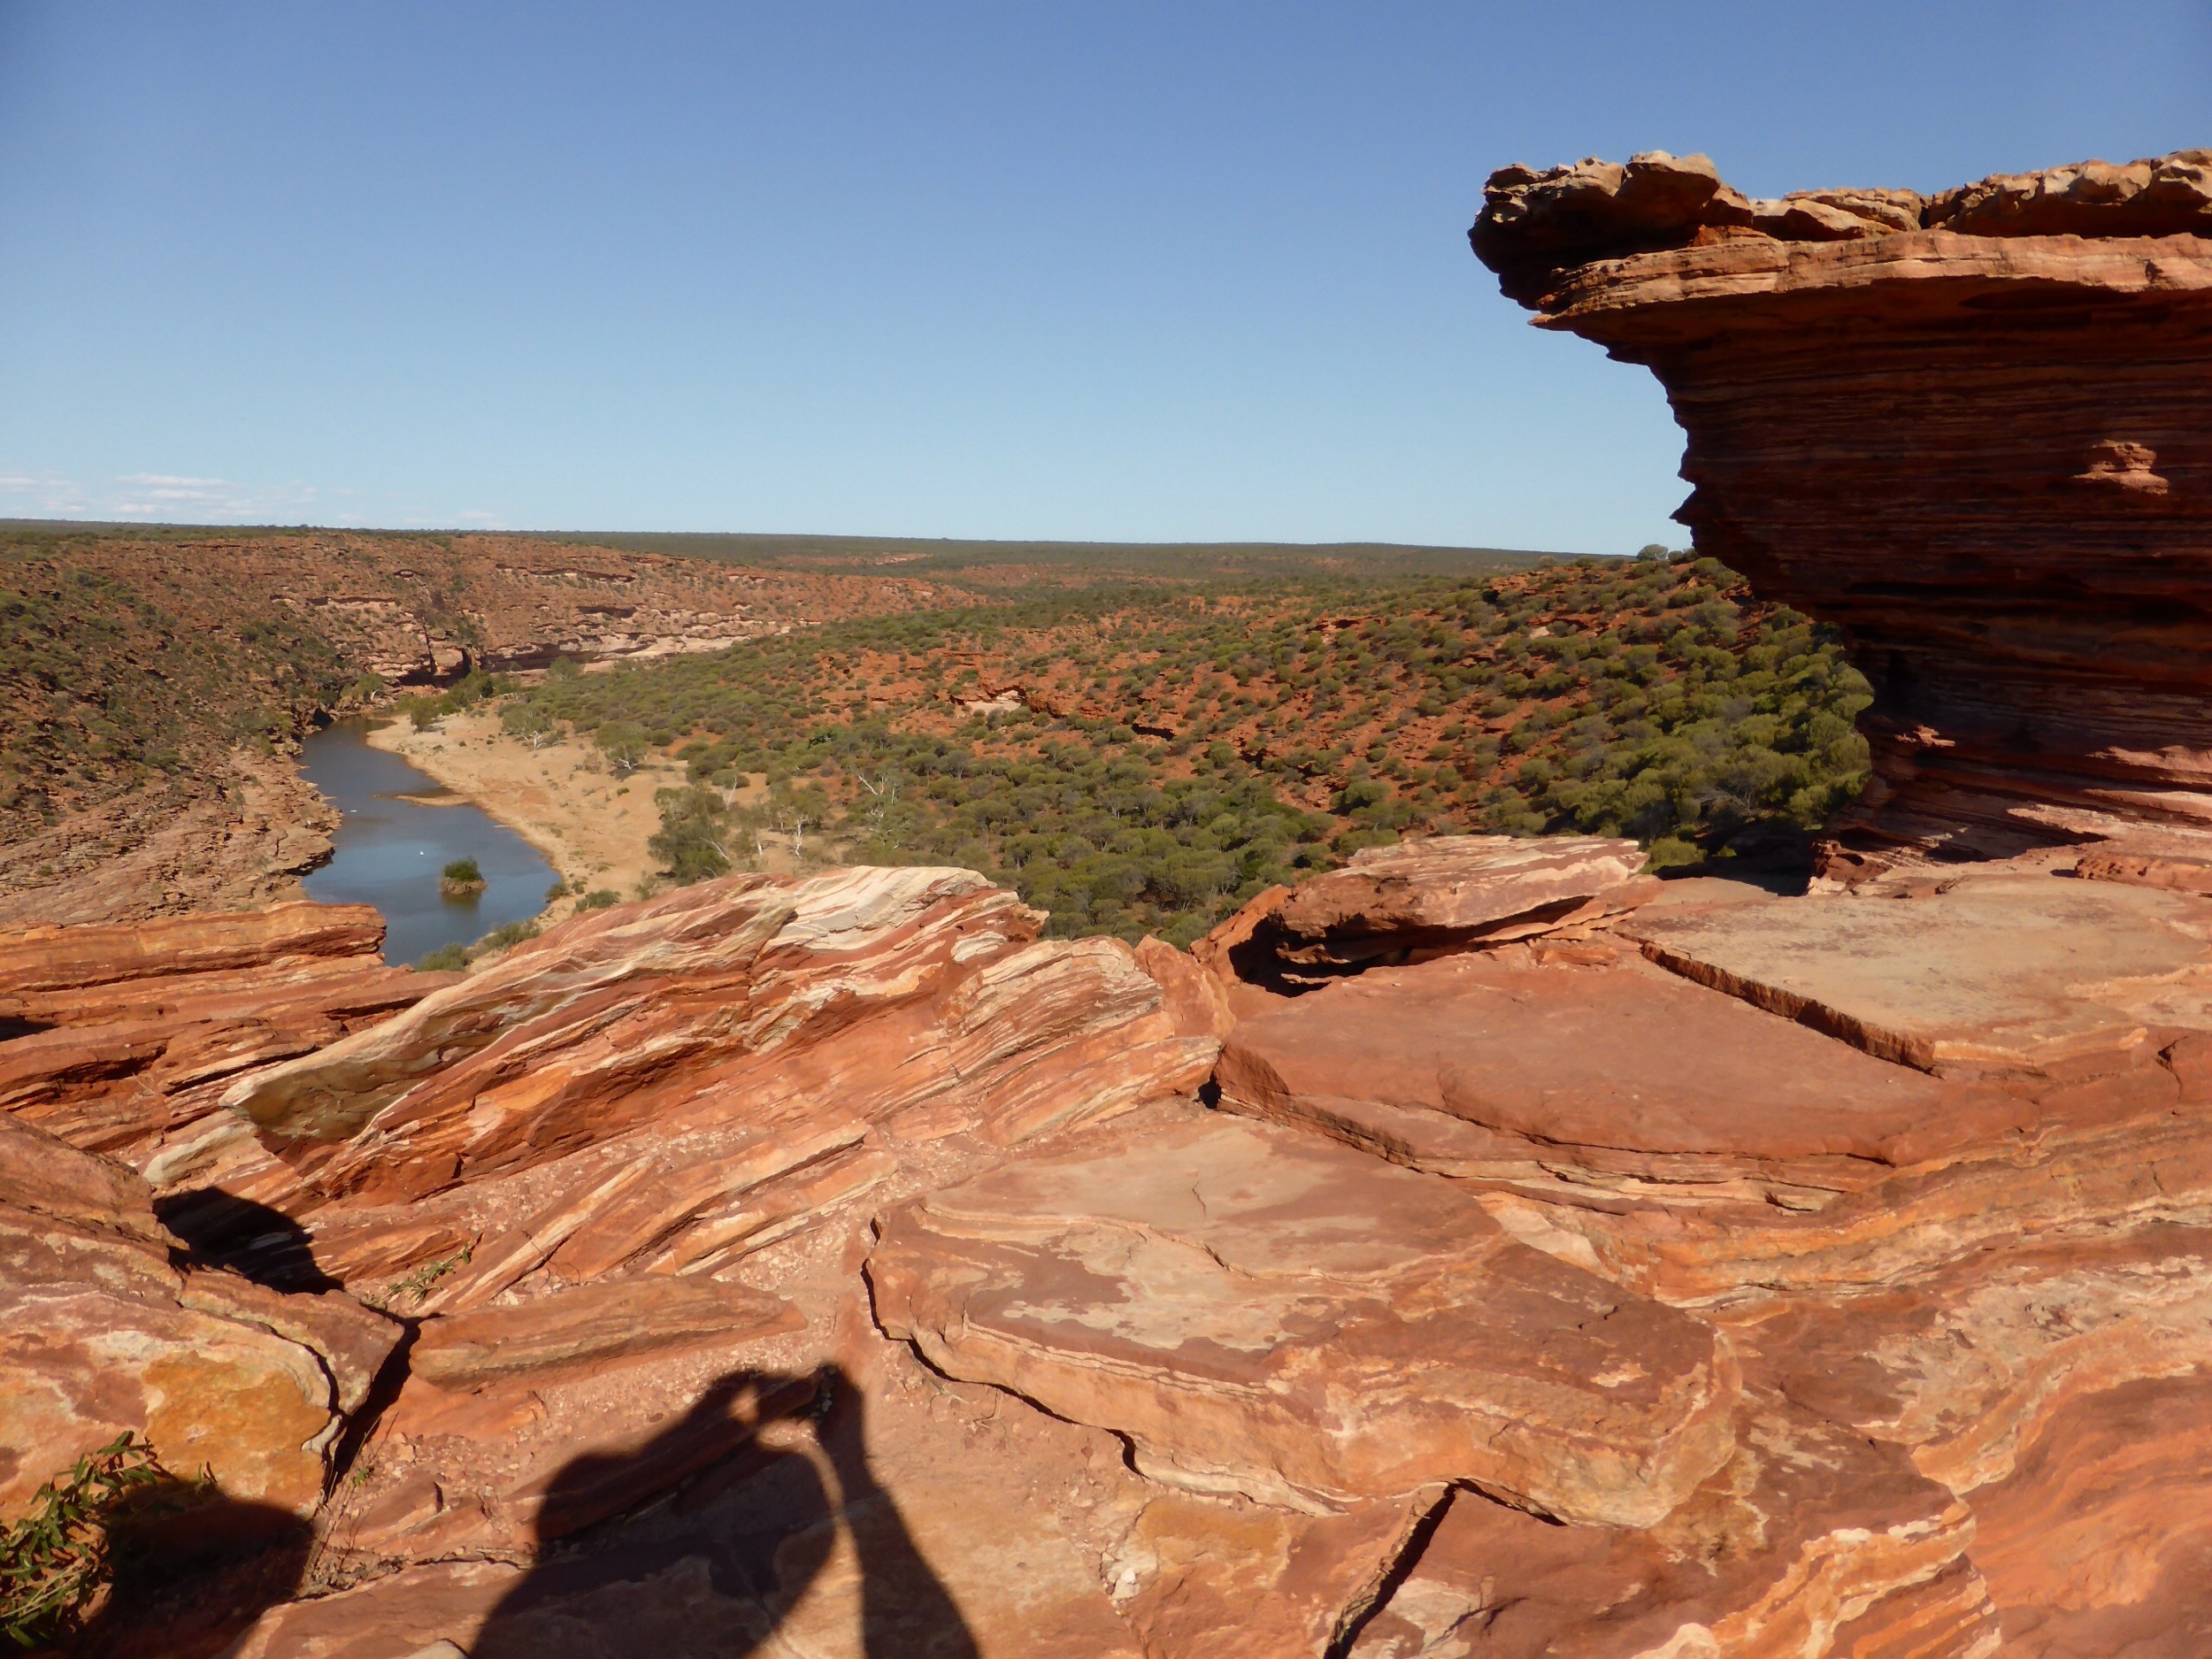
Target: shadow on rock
(192, 1570)
(252, 1240)
(793, 1536)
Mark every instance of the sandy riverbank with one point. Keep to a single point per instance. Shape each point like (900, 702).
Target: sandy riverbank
(562, 797)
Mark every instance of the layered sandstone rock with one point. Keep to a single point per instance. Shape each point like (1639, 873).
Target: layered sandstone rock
(831, 1265)
(671, 1086)
(132, 1032)
(1208, 1289)
(1425, 897)
(101, 1334)
(1966, 428)
(2018, 972)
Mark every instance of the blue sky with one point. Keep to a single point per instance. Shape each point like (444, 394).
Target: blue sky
(1103, 271)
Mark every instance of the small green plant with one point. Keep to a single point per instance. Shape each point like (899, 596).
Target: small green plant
(559, 890)
(444, 959)
(598, 899)
(462, 869)
(54, 1559)
(415, 1288)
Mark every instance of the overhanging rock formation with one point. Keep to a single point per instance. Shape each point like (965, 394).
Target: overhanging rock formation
(1970, 429)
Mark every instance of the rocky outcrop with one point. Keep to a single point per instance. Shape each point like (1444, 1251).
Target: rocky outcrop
(131, 1034)
(103, 1334)
(1966, 429)
(1421, 898)
(833, 1263)
(237, 835)
(1205, 1288)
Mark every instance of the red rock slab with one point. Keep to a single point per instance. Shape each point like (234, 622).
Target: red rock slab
(129, 1085)
(1241, 1580)
(721, 969)
(1969, 1368)
(579, 1168)
(1611, 1083)
(46, 1177)
(2001, 972)
(1259, 1311)
(142, 1034)
(79, 1365)
(354, 1343)
(895, 1510)
(592, 1325)
(344, 986)
(1781, 1548)
(2056, 1184)
(2100, 1541)
(70, 1221)
(404, 1613)
(685, 1127)
(40, 967)
(1423, 895)
(508, 1463)
(554, 988)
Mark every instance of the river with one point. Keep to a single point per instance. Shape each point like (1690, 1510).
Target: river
(401, 829)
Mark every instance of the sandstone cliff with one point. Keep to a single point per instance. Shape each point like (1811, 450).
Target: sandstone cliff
(1966, 428)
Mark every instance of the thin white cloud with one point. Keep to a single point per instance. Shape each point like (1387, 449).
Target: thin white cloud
(179, 496)
(42, 494)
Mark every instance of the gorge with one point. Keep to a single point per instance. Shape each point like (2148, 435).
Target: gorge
(1480, 1249)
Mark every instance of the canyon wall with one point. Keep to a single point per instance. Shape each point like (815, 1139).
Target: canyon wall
(1969, 429)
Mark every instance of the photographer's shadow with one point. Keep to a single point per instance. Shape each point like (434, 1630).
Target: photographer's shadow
(726, 1562)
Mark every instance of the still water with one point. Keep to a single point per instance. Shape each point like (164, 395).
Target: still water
(390, 850)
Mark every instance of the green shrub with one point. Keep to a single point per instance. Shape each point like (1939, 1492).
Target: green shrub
(624, 744)
(55, 1560)
(502, 938)
(598, 899)
(697, 834)
(461, 870)
(444, 959)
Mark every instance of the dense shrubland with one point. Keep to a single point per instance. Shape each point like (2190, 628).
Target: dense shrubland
(1143, 758)
(104, 690)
